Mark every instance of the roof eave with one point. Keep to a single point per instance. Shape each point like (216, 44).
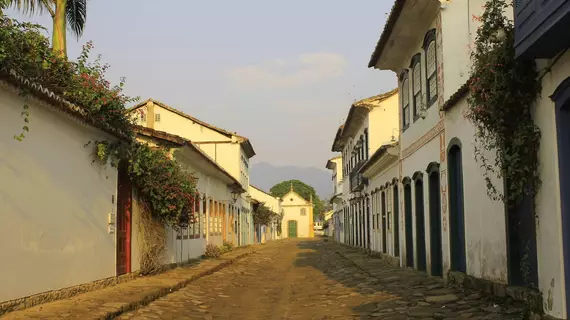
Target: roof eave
(387, 32)
(377, 155)
(248, 148)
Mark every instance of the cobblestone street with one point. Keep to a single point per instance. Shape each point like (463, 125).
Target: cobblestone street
(313, 279)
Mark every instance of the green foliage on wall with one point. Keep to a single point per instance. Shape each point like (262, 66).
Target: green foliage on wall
(301, 188)
(502, 93)
(263, 215)
(25, 53)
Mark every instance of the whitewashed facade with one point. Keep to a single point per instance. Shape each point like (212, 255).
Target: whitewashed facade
(54, 201)
(230, 150)
(371, 124)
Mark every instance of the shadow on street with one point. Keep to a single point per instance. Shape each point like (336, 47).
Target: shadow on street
(404, 292)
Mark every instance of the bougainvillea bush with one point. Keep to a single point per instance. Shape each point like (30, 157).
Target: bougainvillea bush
(25, 51)
(164, 186)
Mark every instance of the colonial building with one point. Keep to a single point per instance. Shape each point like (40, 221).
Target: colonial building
(371, 123)
(335, 165)
(381, 172)
(215, 211)
(329, 226)
(230, 150)
(297, 216)
(431, 146)
(541, 33)
(269, 232)
(447, 220)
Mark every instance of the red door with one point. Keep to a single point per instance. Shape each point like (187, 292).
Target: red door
(124, 206)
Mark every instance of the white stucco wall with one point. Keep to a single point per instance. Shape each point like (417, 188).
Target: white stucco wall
(271, 202)
(378, 181)
(485, 230)
(54, 202)
(382, 123)
(549, 232)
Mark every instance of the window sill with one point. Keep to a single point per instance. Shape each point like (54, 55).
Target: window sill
(432, 101)
(416, 117)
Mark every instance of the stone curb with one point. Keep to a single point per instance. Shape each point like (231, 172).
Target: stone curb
(133, 305)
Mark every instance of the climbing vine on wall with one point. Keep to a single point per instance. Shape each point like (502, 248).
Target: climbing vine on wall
(502, 91)
(25, 53)
(169, 190)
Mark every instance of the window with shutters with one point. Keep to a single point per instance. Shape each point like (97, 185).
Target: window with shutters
(405, 99)
(431, 66)
(416, 85)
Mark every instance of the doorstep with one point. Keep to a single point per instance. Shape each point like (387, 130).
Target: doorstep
(109, 302)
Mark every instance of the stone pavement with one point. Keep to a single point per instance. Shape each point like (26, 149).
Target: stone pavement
(112, 301)
(291, 279)
(313, 279)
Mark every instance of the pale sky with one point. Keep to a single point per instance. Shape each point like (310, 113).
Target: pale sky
(282, 73)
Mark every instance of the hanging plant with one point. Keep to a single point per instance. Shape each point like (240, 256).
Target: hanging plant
(502, 92)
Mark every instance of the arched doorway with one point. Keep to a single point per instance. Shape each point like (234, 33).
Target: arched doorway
(561, 98)
(396, 219)
(292, 229)
(384, 229)
(456, 212)
(420, 221)
(408, 222)
(368, 229)
(436, 251)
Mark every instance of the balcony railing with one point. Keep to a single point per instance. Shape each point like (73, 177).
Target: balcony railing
(357, 181)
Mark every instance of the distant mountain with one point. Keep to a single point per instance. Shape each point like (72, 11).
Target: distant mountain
(264, 175)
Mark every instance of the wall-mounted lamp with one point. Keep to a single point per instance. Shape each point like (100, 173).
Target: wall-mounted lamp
(235, 196)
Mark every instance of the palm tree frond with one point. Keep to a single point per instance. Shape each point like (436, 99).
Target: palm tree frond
(76, 14)
(30, 6)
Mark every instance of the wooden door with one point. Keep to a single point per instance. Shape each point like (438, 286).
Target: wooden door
(384, 226)
(292, 229)
(396, 221)
(436, 249)
(124, 209)
(420, 225)
(562, 99)
(456, 213)
(408, 223)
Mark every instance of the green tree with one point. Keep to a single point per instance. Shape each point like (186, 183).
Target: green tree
(301, 188)
(63, 12)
